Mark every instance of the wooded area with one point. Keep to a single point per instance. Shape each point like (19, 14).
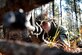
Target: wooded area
(37, 27)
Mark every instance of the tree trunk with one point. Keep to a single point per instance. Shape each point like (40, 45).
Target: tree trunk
(61, 11)
(75, 9)
(53, 9)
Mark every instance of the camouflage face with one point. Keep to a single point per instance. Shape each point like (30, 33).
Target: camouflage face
(46, 26)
